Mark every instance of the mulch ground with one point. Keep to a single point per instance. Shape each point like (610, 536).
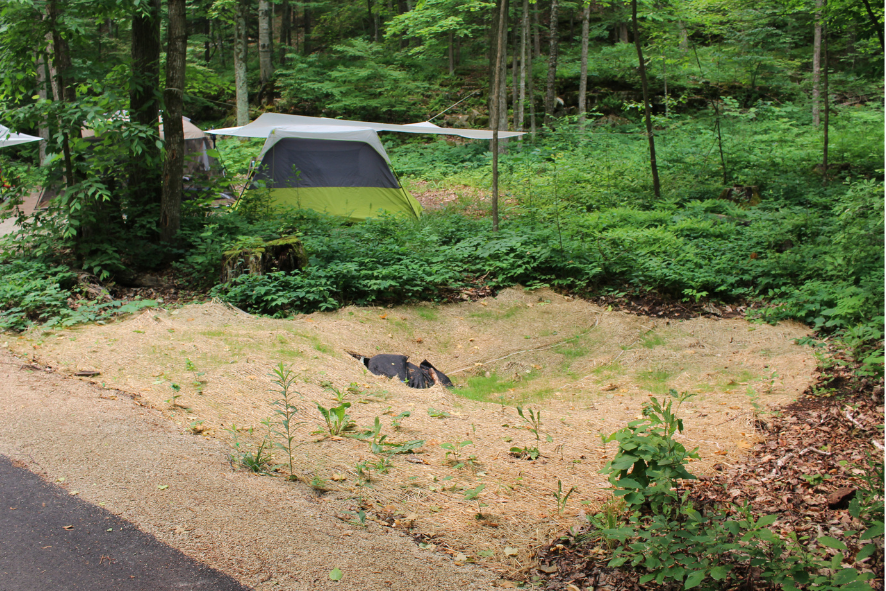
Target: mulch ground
(805, 471)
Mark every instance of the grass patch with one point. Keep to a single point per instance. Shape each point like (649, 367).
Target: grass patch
(497, 314)
(426, 313)
(651, 341)
(655, 381)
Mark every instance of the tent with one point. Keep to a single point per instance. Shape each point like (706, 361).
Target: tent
(199, 167)
(198, 161)
(334, 166)
(10, 138)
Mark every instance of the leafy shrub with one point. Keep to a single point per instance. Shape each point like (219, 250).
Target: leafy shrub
(670, 542)
(32, 291)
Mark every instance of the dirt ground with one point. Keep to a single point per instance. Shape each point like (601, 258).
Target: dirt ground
(103, 446)
(586, 368)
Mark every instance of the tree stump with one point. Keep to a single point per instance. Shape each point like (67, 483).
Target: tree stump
(285, 254)
(743, 195)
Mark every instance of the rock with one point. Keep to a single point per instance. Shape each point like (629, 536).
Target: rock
(839, 499)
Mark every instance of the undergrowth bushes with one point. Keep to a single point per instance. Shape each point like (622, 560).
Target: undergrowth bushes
(822, 266)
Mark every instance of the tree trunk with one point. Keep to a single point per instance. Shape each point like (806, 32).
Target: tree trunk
(656, 186)
(264, 42)
(530, 91)
(684, 37)
(878, 26)
(43, 130)
(827, 101)
(240, 82)
(144, 103)
(515, 72)
(173, 131)
(502, 54)
(285, 29)
(497, 83)
(537, 36)
(623, 33)
(64, 91)
(451, 54)
(207, 42)
(551, 89)
(816, 66)
(520, 111)
(306, 23)
(583, 75)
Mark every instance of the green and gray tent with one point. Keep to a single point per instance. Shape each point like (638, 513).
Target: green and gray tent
(334, 166)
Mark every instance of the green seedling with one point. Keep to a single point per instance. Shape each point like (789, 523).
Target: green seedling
(473, 494)
(525, 452)
(336, 418)
(173, 400)
(359, 517)
(339, 394)
(257, 461)
(395, 422)
(534, 424)
(453, 452)
(438, 414)
(198, 383)
(318, 483)
(561, 498)
(284, 379)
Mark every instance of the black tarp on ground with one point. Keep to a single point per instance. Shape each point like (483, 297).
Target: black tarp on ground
(419, 376)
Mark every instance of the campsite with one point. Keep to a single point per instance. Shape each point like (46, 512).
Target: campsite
(443, 295)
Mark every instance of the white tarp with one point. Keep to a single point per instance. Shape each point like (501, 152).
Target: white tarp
(325, 132)
(267, 122)
(10, 138)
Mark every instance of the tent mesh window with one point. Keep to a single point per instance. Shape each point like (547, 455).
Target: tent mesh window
(299, 162)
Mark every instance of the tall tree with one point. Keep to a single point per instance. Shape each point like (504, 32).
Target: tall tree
(827, 101)
(583, 75)
(285, 29)
(878, 26)
(41, 92)
(502, 53)
(520, 108)
(144, 100)
(240, 83)
(497, 83)
(173, 97)
(816, 66)
(62, 85)
(551, 88)
(656, 186)
(264, 43)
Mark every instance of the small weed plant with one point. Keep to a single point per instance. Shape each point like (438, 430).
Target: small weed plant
(453, 452)
(284, 380)
(337, 419)
(562, 498)
(259, 460)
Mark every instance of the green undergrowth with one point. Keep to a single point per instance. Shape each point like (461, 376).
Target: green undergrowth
(653, 530)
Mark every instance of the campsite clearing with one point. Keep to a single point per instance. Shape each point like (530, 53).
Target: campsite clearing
(588, 371)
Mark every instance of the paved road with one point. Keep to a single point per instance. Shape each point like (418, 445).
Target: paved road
(51, 540)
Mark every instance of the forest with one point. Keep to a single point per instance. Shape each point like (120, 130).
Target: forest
(697, 153)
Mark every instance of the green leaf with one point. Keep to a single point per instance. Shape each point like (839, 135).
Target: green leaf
(831, 543)
(694, 579)
(767, 520)
(718, 573)
(875, 531)
(868, 550)
(335, 574)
